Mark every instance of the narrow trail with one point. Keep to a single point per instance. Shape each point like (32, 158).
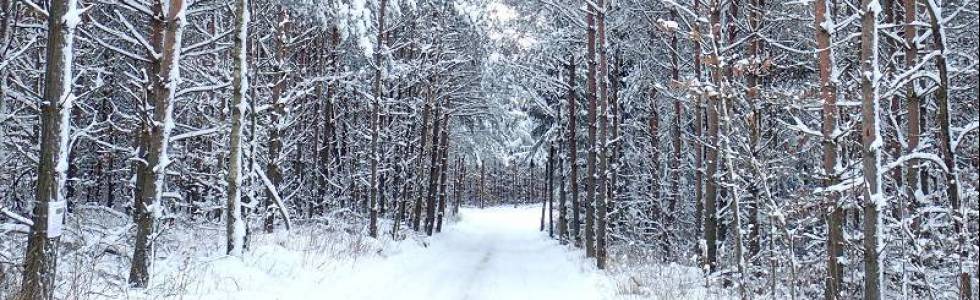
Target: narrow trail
(494, 253)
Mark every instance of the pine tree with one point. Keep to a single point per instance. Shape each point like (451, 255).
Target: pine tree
(157, 124)
(40, 263)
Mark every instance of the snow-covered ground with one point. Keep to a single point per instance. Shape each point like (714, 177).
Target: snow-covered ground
(494, 253)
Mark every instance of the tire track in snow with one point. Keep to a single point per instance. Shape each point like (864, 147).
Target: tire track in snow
(482, 265)
(494, 253)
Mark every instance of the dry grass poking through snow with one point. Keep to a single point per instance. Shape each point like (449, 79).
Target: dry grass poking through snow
(190, 261)
(639, 274)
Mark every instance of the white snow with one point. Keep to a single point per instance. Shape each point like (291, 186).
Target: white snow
(668, 25)
(494, 253)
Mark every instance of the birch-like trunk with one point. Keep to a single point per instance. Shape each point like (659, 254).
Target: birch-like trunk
(235, 226)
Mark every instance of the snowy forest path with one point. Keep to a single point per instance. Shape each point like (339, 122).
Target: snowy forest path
(493, 253)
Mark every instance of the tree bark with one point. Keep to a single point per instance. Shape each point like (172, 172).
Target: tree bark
(483, 174)
(40, 262)
(658, 213)
(235, 228)
(551, 190)
(615, 146)
(699, 113)
(914, 182)
(590, 162)
(573, 152)
(755, 129)
(602, 173)
(165, 37)
(711, 155)
(947, 148)
(871, 150)
(544, 201)
(420, 168)
(444, 173)
(828, 93)
(675, 133)
(273, 169)
(430, 205)
(376, 120)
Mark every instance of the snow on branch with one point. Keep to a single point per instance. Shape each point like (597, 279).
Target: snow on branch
(16, 217)
(963, 132)
(275, 197)
(916, 155)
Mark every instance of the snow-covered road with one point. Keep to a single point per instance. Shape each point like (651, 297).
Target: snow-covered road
(494, 253)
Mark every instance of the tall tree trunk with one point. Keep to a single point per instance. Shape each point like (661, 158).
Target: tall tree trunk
(699, 113)
(253, 127)
(590, 162)
(278, 122)
(458, 185)
(444, 167)
(658, 213)
(602, 173)
(675, 133)
(376, 119)
(573, 151)
(563, 192)
(430, 203)
(736, 196)
(319, 168)
(828, 93)
(755, 129)
(871, 150)
(462, 184)
(420, 167)
(551, 190)
(711, 152)
(331, 157)
(947, 148)
(483, 174)
(710, 187)
(235, 228)
(544, 201)
(615, 147)
(41, 258)
(402, 194)
(165, 37)
(515, 188)
(914, 182)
